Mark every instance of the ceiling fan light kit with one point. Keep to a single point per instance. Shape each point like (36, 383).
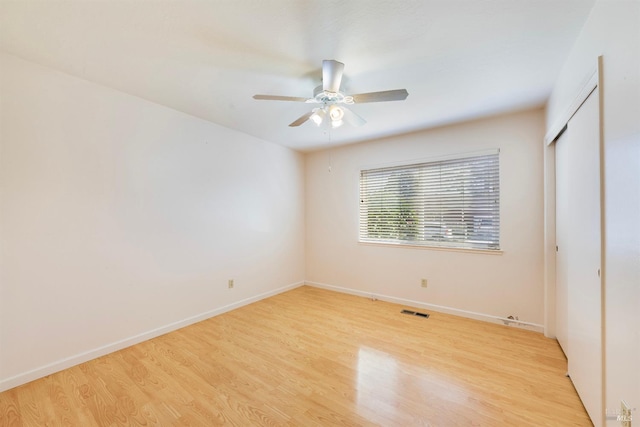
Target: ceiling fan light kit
(333, 100)
(318, 116)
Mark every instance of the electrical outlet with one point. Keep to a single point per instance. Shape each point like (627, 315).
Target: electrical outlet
(423, 283)
(230, 283)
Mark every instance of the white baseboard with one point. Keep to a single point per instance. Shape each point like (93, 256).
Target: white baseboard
(439, 308)
(68, 362)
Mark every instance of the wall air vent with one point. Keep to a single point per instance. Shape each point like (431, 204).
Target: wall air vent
(415, 313)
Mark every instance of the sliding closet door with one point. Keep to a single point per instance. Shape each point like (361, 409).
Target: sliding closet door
(584, 257)
(562, 241)
(579, 253)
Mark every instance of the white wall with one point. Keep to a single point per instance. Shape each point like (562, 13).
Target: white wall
(121, 219)
(613, 31)
(488, 284)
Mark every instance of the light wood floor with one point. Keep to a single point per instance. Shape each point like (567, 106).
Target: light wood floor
(311, 357)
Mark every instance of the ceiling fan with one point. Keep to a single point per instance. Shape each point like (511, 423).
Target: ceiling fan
(333, 101)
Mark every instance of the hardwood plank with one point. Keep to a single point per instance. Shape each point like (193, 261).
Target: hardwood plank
(9, 409)
(313, 357)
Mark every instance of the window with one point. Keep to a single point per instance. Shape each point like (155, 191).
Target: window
(451, 203)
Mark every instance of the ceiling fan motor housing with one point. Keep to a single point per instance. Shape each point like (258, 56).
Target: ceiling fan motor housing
(322, 96)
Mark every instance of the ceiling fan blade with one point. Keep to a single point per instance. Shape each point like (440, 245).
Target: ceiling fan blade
(280, 98)
(331, 75)
(302, 119)
(387, 95)
(352, 118)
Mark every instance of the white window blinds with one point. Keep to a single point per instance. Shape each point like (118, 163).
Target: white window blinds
(448, 203)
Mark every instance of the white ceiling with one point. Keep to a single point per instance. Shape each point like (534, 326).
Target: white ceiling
(458, 59)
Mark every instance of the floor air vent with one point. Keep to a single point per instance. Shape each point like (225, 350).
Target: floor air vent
(415, 313)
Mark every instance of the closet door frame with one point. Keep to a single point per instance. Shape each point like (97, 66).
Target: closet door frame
(591, 82)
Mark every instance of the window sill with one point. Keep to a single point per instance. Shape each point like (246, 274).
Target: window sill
(435, 248)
